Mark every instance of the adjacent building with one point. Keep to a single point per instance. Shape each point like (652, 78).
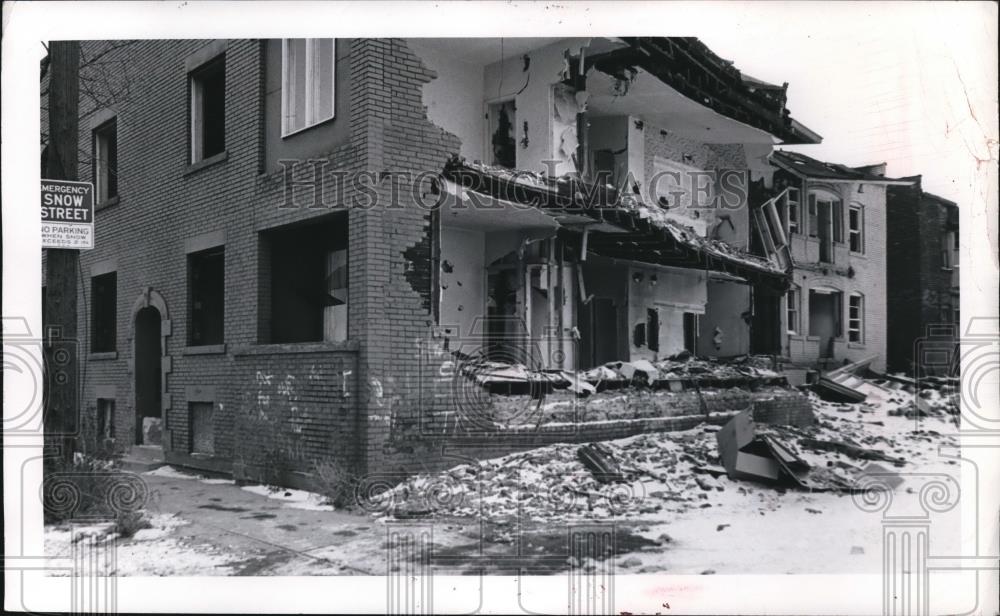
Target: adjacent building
(923, 278)
(835, 218)
(296, 239)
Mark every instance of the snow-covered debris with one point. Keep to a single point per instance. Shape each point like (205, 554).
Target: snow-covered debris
(665, 472)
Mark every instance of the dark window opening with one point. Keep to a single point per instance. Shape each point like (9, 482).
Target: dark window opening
(307, 282)
(208, 110)
(207, 297)
(503, 131)
(105, 158)
(653, 329)
(103, 317)
(691, 332)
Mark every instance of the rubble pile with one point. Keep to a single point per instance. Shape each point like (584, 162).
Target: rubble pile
(678, 373)
(651, 474)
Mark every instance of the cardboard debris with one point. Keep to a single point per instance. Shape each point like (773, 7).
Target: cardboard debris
(743, 455)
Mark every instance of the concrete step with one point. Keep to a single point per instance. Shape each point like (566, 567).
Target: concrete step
(143, 458)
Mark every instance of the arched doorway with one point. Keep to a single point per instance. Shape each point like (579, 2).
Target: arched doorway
(148, 373)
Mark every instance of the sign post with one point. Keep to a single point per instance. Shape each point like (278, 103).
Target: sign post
(67, 215)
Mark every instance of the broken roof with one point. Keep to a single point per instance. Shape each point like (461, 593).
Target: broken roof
(808, 167)
(648, 234)
(690, 67)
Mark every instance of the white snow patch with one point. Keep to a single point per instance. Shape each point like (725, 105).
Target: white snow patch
(297, 499)
(173, 473)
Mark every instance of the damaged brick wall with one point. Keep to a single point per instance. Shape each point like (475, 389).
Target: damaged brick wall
(398, 294)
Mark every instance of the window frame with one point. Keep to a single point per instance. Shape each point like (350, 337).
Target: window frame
(192, 261)
(100, 135)
(859, 330)
(310, 88)
(793, 306)
(196, 102)
(860, 231)
(947, 249)
(797, 203)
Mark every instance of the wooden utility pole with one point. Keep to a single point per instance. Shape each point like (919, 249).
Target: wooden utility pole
(62, 406)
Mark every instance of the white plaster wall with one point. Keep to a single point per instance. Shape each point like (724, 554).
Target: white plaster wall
(727, 301)
(463, 289)
(533, 99)
(454, 99)
(676, 291)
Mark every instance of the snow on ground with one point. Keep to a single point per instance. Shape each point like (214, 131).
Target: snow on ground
(701, 520)
(172, 473)
(297, 499)
(150, 552)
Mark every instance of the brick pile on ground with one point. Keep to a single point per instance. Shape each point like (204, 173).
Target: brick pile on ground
(664, 472)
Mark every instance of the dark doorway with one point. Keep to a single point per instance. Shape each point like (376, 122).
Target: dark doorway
(599, 332)
(765, 322)
(824, 319)
(147, 377)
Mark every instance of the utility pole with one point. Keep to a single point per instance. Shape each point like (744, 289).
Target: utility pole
(61, 416)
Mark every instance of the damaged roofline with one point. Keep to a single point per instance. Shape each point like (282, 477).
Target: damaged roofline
(778, 162)
(688, 66)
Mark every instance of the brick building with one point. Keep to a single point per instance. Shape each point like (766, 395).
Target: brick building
(835, 220)
(923, 279)
(269, 291)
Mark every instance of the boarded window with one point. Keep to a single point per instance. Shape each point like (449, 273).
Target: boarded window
(307, 83)
(202, 428)
(206, 293)
(105, 156)
(208, 110)
(103, 315)
(307, 282)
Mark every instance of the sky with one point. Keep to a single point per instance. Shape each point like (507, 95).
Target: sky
(913, 85)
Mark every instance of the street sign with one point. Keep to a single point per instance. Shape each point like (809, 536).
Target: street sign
(67, 214)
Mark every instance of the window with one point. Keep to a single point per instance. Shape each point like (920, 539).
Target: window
(208, 110)
(206, 297)
(813, 220)
(307, 282)
(105, 158)
(948, 246)
(792, 310)
(855, 228)
(103, 317)
(838, 221)
(792, 223)
(653, 329)
(503, 132)
(307, 83)
(855, 318)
